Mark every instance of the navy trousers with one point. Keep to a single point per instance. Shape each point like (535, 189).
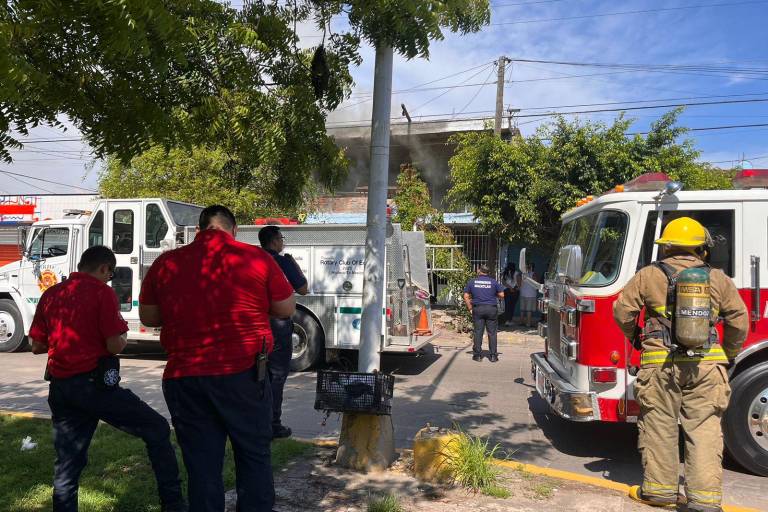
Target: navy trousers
(77, 404)
(280, 364)
(485, 318)
(207, 410)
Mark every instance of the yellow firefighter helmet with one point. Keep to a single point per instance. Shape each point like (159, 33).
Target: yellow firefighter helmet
(684, 232)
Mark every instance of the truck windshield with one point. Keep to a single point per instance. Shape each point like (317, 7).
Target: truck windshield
(184, 214)
(601, 236)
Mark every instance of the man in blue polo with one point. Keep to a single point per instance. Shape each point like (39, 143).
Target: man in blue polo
(480, 296)
(271, 240)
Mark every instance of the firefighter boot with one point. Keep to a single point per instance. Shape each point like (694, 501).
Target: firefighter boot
(636, 493)
(659, 396)
(706, 395)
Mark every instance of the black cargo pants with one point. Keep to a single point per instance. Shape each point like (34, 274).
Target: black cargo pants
(279, 364)
(77, 404)
(485, 317)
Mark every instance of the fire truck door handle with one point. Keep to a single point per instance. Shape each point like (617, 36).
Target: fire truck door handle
(755, 264)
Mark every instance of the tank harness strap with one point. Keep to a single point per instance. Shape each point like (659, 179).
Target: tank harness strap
(666, 312)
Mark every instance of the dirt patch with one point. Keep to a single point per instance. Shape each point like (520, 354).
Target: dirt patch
(315, 483)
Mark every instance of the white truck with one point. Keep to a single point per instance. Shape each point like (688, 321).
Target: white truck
(138, 230)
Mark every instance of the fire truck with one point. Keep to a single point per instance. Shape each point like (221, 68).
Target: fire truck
(327, 319)
(587, 369)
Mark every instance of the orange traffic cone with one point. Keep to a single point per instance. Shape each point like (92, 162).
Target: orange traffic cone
(422, 327)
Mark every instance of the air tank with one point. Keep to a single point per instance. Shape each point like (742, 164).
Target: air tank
(693, 307)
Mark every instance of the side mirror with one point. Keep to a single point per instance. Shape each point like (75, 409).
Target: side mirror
(569, 262)
(521, 266)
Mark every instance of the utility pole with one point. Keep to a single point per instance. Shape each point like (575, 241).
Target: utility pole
(366, 441)
(373, 284)
(493, 244)
(501, 63)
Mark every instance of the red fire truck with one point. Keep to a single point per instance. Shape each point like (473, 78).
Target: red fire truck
(587, 369)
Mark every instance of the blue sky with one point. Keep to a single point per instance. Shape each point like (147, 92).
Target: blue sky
(731, 37)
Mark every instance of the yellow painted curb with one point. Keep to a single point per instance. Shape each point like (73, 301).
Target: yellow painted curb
(589, 480)
(25, 414)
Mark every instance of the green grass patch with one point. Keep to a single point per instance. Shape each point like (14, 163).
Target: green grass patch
(496, 491)
(118, 477)
(386, 503)
(470, 461)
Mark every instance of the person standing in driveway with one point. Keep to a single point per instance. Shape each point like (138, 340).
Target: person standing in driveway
(213, 299)
(480, 296)
(272, 241)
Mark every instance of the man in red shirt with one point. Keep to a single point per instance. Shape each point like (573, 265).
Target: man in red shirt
(78, 324)
(213, 299)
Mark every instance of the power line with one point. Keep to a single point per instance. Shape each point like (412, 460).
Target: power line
(31, 184)
(550, 114)
(623, 13)
(451, 89)
(477, 93)
(12, 174)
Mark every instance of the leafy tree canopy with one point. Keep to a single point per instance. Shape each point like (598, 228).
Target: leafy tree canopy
(199, 175)
(185, 73)
(519, 189)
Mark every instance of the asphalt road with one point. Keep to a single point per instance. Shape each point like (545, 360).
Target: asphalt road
(442, 387)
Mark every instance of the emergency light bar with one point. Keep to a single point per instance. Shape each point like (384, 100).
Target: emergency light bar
(649, 182)
(751, 178)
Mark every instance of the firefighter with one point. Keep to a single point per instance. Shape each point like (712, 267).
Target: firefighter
(677, 380)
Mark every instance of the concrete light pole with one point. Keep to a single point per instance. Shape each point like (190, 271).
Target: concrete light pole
(367, 441)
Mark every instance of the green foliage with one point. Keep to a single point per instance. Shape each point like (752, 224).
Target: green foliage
(414, 208)
(497, 491)
(518, 190)
(386, 503)
(200, 176)
(118, 475)
(470, 462)
(182, 73)
(413, 201)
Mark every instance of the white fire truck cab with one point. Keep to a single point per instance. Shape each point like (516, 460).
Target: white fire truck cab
(586, 371)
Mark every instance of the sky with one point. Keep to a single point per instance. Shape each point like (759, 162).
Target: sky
(722, 43)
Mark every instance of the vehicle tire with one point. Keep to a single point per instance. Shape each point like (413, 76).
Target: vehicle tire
(746, 420)
(308, 341)
(12, 336)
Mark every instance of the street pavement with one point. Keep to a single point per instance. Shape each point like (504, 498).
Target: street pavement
(442, 387)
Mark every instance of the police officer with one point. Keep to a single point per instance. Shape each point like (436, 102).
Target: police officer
(679, 383)
(78, 324)
(480, 296)
(272, 241)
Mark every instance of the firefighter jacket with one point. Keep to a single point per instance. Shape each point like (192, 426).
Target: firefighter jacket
(648, 288)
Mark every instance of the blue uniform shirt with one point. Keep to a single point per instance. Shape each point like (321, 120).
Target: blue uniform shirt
(290, 268)
(484, 290)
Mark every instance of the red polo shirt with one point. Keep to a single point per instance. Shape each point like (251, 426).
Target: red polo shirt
(214, 297)
(75, 318)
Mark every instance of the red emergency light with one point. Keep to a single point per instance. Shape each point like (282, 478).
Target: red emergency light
(751, 178)
(648, 182)
(281, 221)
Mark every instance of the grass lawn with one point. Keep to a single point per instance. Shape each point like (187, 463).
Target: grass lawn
(118, 477)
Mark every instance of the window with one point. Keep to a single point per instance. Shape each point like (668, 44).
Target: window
(122, 283)
(184, 214)
(96, 231)
(720, 224)
(156, 226)
(122, 232)
(601, 237)
(649, 236)
(49, 243)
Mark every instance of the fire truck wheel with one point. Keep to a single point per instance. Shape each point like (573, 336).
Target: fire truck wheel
(746, 420)
(308, 341)
(11, 327)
